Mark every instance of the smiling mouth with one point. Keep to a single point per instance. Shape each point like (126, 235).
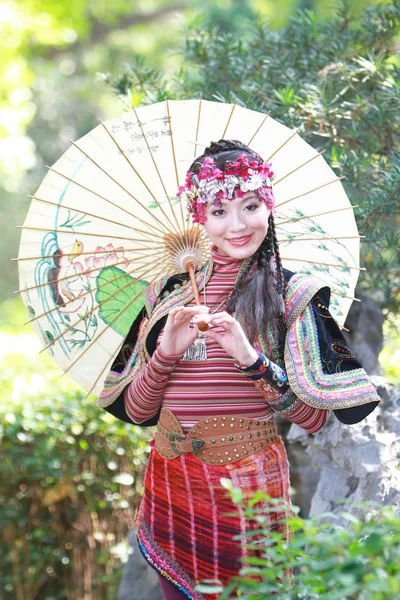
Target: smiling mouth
(240, 240)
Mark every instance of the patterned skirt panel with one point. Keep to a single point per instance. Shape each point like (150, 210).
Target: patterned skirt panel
(186, 528)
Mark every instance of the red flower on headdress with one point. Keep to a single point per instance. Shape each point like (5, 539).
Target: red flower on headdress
(200, 190)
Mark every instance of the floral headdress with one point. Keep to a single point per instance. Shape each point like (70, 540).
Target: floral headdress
(212, 185)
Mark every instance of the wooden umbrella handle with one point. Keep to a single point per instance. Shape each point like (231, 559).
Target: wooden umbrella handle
(202, 326)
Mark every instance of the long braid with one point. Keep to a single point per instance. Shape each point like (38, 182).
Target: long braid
(280, 321)
(231, 306)
(280, 276)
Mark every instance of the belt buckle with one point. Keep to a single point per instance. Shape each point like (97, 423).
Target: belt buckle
(173, 436)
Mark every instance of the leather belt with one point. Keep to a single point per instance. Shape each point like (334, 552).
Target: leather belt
(214, 440)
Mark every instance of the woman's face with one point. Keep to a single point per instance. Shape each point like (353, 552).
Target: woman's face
(239, 226)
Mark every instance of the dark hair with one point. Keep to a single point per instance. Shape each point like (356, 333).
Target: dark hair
(258, 295)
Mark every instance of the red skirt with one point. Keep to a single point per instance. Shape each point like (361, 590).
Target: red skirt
(185, 530)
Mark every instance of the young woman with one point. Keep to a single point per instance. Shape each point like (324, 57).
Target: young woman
(271, 348)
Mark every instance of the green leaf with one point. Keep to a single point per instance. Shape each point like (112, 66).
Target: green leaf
(120, 298)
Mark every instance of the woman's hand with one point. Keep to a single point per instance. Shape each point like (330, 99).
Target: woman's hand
(179, 333)
(228, 332)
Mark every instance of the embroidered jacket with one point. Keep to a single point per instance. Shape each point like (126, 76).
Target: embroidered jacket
(315, 365)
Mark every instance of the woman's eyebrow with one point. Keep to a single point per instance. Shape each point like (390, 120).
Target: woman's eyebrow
(253, 196)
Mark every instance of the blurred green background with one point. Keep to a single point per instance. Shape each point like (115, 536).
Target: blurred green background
(70, 475)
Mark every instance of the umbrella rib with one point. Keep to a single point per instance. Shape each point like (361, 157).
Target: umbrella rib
(157, 169)
(135, 171)
(176, 175)
(327, 212)
(229, 120)
(258, 129)
(319, 187)
(275, 183)
(148, 233)
(114, 203)
(151, 153)
(109, 235)
(86, 293)
(99, 376)
(344, 296)
(294, 132)
(113, 179)
(39, 285)
(102, 303)
(317, 239)
(197, 128)
(105, 329)
(317, 262)
(77, 254)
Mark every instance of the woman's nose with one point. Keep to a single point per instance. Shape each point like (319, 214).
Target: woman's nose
(236, 224)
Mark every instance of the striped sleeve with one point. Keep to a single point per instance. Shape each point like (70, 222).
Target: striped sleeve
(144, 394)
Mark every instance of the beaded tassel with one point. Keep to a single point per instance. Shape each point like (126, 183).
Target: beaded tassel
(197, 351)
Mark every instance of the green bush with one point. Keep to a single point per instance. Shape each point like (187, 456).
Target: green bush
(329, 562)
(70, 478)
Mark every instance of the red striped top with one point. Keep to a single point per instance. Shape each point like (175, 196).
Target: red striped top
(193, 390)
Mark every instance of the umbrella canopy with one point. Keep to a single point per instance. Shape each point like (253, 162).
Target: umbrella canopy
(105, 222)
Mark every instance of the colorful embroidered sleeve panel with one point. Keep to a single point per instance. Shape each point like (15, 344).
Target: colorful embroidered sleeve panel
(322, 371)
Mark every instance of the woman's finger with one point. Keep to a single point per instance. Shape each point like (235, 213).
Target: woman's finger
(211, 318)
(214, 335)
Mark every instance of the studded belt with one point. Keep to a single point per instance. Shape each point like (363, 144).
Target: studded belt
(214, 440)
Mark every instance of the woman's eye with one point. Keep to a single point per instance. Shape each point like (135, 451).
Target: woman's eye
(252, 206)
(215, 213)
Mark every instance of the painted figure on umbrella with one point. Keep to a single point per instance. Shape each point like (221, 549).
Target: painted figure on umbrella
(267, 345)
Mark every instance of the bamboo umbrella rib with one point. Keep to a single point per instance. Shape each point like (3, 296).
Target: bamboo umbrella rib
(229, 120)
(341, 327)
(258, 129)
(104, 370)
(84, 212)
(39, 285)
(294, 132)
(94, 308)
(105, 329)
(344, 296)
(109, 235)
(36, 317)
(114, 180)
(177, 229)
(176, 172)
(135, 250)
(91, 291)
(275, 183)
(115, 204)
(317, 239)
(197, 129)
(172, 144)
(77, 254)
(317, 262)
(150, 151)
(135, 171)
(327, 212)
(72, 276)
(319, 187)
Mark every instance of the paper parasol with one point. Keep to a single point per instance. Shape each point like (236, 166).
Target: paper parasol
(101, 226)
